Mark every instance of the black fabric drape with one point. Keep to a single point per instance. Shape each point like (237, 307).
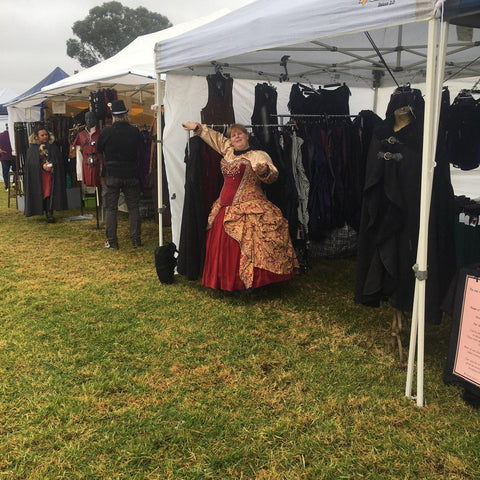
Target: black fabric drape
(202, 187)
(389, 227)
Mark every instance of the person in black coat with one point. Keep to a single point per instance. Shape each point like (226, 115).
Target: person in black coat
(119, 145)
(44, 176)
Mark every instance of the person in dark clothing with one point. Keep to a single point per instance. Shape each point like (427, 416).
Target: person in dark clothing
(6, 157)
(119, 145)
(45, 183)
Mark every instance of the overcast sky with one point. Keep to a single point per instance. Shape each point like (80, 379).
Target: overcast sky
(34, 32)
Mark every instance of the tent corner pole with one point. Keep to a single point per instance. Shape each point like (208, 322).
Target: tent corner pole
(159, 150)
(435, 70)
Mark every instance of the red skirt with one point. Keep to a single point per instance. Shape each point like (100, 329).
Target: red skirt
(47, 182)
(222, 261)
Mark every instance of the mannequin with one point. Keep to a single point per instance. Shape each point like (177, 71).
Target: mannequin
(388, 236)
(89, 161)
(403, 116)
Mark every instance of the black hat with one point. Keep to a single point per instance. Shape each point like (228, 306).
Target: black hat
(118, 107)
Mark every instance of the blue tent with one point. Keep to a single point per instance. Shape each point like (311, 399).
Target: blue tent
(54, 76)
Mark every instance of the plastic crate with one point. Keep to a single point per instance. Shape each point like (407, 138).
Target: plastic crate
(89, 202)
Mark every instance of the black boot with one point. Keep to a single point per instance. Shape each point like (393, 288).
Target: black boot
(49, 217)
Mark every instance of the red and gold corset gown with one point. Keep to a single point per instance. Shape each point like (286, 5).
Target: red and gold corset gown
(226, 266)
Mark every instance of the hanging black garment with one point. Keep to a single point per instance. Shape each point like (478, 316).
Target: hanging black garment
(353, 177)
(264, 112)
(336, 101)
(305, 100)
(291, 192)
(202, 187)
(34, 204)
(219, 107)
(366, 122)
(268, 139)
(388, 238)
(297, 102)
(463, 127)
(337, 167)
(317, 170)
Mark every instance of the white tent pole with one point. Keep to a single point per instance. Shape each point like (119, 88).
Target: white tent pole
(434, 80)
(442, 53)
(425, 196)
(418, 314)
(158, 101)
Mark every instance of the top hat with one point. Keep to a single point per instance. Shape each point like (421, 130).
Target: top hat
(118, 107)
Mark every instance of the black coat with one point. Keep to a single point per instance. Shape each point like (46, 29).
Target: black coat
(388, 237)
(33, 181)
(203, 181)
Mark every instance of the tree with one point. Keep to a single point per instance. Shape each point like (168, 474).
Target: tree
(109, 28)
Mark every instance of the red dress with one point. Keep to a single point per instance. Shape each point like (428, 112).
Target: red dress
(223, 253)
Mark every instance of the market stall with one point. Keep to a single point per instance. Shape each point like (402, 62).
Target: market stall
(317, 42)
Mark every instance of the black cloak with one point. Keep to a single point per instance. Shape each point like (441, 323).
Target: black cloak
(388, 237)
(33, 181)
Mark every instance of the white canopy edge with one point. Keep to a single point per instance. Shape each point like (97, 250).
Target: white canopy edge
(267, 24)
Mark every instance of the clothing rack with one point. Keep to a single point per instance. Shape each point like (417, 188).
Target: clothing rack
(225, 126)
(318, 115)
(321, 115)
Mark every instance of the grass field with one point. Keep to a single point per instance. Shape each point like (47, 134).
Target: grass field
(108, 374)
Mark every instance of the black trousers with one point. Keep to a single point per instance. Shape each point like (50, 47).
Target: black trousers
(6, 164)
(112, 186)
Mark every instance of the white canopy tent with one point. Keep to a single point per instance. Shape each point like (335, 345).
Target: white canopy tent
(131, 71)
(319, 41)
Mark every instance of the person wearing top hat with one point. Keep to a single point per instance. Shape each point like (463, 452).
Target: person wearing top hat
(119, 144)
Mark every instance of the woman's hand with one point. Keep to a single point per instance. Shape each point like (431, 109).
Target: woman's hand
(190, 125)
(48, 167)
(262, 170)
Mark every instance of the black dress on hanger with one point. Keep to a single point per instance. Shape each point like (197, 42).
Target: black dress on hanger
(268, 138)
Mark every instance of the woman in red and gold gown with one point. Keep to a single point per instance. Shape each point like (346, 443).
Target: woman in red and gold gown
(248, 244)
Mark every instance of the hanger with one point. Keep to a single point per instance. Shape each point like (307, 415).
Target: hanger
(309, 89)
(263, 74)
(464, 93)
(309, 82)
(219, 71)
(283, 63)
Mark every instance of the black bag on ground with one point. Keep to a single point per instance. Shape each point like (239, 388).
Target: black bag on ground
(165, 262)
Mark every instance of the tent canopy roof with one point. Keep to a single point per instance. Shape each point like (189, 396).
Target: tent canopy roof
(131, 71)
(318, 41)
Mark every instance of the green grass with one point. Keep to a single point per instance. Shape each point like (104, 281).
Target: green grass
(108, 374)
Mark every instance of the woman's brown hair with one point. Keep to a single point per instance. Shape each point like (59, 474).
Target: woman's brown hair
(234, 127)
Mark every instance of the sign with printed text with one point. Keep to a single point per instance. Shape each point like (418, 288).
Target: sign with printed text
(467, 358)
